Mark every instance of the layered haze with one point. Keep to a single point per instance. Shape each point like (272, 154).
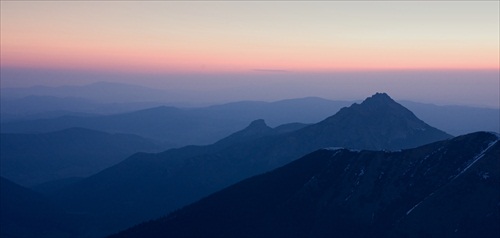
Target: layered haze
(479, 88)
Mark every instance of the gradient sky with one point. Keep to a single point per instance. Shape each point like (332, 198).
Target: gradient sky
(244, 37)
(241, 36)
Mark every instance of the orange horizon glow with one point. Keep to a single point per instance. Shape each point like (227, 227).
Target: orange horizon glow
(213, 58)
(149, 61)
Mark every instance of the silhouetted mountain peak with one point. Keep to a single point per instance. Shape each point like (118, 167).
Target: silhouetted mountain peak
(378, 98)
(378, 101)
(378, 106)
(257, 128)
(377, 123)
(258, 124)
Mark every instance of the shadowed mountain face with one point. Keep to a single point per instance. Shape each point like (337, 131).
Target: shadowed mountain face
(30, 159)
(149, 185)
(377, 123)
(444, 189)
(25, 213)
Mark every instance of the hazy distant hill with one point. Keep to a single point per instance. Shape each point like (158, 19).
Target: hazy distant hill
(303, 110)
(41, 107)
(30, 159)
(444, 189)
(170, 126)
(175, 127)
(457, 120)
(43, 104)
(149, 185)
(102, 92)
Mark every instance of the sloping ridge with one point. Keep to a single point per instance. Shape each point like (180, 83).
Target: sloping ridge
(443, 189)
(30, 159)
(25, 213)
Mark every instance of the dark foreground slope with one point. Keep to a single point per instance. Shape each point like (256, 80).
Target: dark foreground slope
(30, 159)
(147, 186)
(444, 189)
(25, 213)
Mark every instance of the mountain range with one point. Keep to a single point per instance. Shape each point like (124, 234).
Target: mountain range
(47, 111)
(149, 185)
(45, 107)
(444, 189)
(175, 127)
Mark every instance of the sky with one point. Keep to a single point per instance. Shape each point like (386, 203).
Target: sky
(210, 45)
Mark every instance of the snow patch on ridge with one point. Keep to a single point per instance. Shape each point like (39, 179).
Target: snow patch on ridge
(495, 134)
(362, 172)
(477, 158)
(333, 148)
(341, 148)
(409, 211)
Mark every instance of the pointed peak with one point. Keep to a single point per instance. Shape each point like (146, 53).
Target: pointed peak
(376, 101)
(259, 123)
(256, 129)
(379, 100)
(379, 97)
